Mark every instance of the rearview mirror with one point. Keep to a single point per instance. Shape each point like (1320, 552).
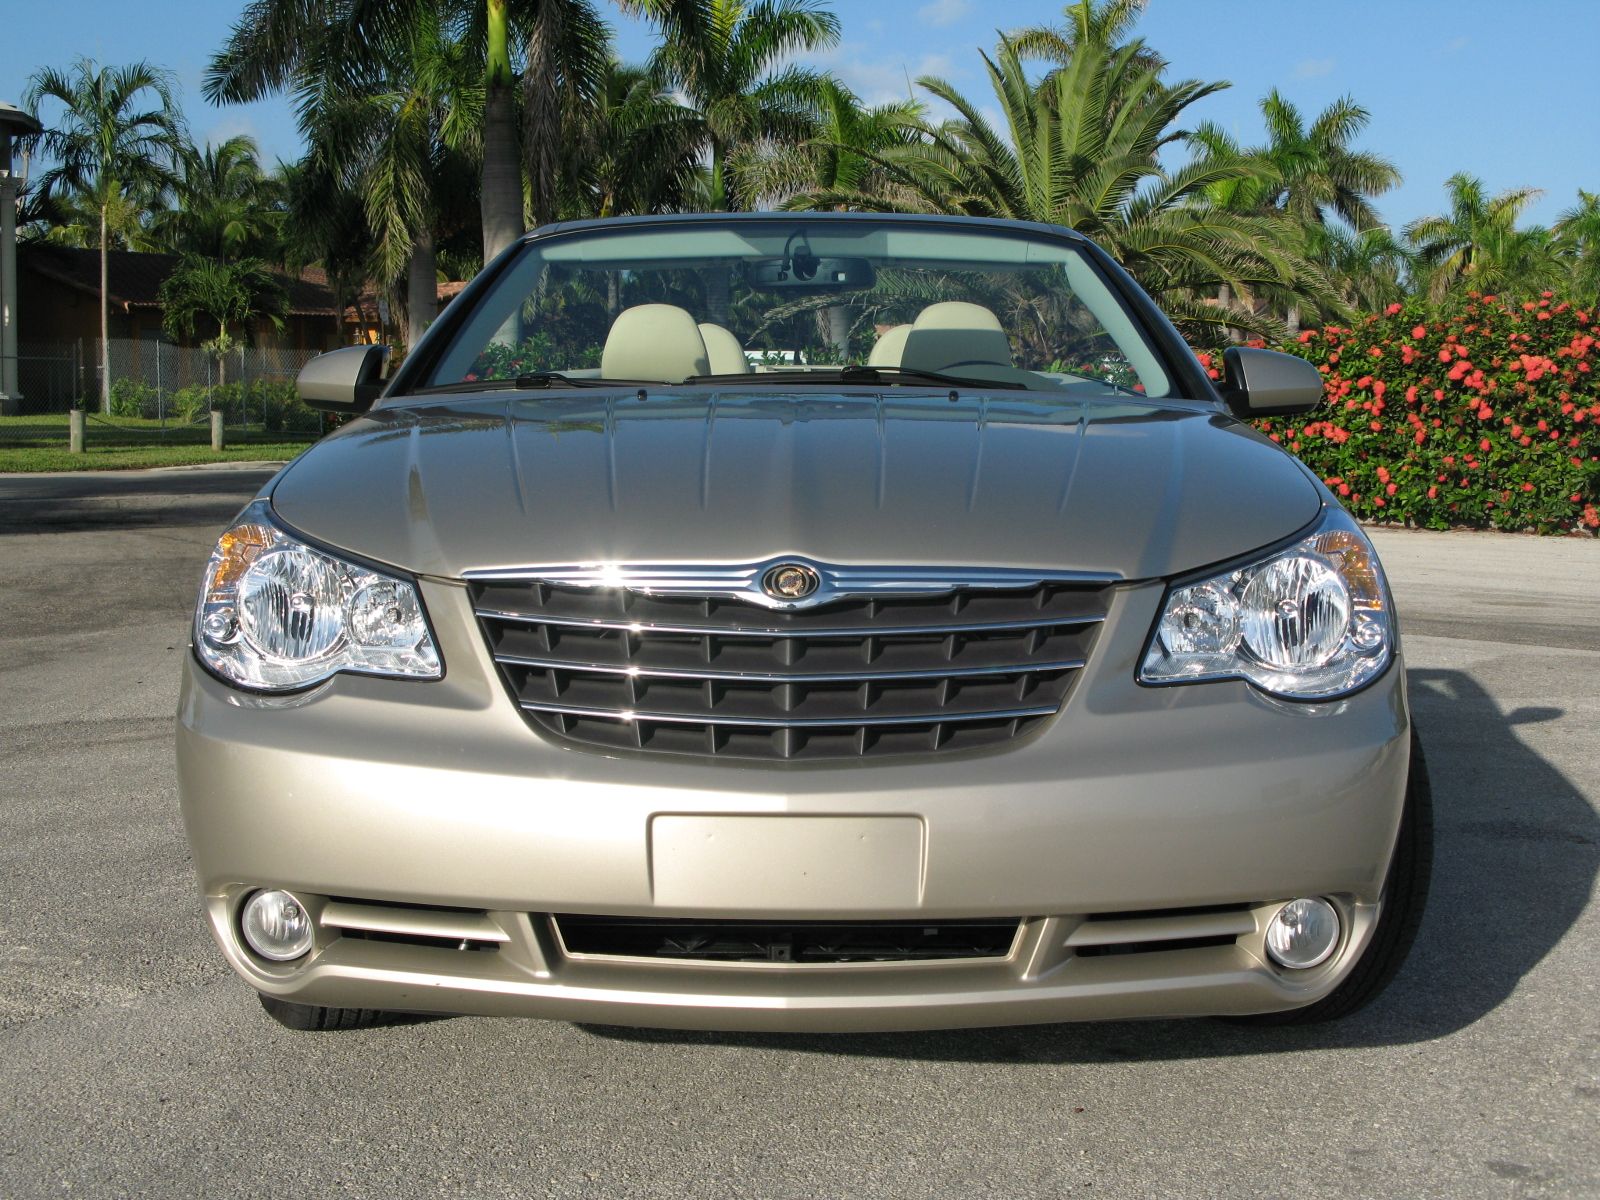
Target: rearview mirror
(343, 381)
(1266, 383)
(803, 269)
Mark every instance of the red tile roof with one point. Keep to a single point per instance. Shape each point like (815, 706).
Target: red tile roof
(134, 279)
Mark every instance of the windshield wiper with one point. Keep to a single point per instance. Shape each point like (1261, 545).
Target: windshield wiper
(865, 374)
(862, 374)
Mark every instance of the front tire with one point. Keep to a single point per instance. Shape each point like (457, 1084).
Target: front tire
(1405, 895)
(312, 1017)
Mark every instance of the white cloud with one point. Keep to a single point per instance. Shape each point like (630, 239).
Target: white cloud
(230, 125)
(940, 13)
(881, 80)
(1313, 68)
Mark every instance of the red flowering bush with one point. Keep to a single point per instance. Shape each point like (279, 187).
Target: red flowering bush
(1488, 416)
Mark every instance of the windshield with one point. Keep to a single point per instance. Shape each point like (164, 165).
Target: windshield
(800, 302)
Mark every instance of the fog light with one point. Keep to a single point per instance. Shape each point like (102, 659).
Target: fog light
(276, 925)
(1303, 933)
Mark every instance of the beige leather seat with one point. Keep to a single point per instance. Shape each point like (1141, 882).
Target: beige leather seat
(654, 341)
(960, 339)
(724, 351)
(890, 347)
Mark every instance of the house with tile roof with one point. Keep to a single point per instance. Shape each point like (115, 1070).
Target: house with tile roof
(59, 295)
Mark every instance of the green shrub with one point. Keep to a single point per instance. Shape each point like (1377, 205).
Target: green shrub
(1485, 416)
(191, 403)
(536, 352)
(133, 398)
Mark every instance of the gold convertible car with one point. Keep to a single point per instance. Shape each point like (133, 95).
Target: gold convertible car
(802, 621)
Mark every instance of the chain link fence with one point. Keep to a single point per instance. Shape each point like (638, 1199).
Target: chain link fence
(157, 381)
(162, 395)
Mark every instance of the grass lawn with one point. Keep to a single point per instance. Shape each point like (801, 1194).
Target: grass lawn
(39, 443)
(128, 458)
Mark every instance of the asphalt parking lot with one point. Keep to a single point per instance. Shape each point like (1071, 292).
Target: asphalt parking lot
(133, 1063)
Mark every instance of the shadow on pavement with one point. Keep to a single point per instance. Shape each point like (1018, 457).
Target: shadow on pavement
(1517, 851)
(120, 500)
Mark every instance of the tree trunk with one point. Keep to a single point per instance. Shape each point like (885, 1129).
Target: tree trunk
(501, 203)
(422, 288)
(719, 286)
(837, 318)
(613, 293)
(541, 112)
(1225, 303)
(1292, 319)
(105, 317)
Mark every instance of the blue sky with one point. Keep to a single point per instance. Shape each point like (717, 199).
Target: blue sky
(1501, 88)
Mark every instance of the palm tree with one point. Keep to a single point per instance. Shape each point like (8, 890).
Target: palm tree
(73, 219)
(116, 137)
(1079, 149)
(1577, 234)
(1367, 269)
(724, 57)
(839, 155)
(1311, 175)
(227, 205)
(1318, 173)
(203, 292)
(1477, 243)
(404, 141)
(343, 44)
(1104, 23)
(635, 151)
(395, 124)
(326, 224)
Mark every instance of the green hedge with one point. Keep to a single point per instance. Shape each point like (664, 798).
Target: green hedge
(275, 405)
(1487, 416)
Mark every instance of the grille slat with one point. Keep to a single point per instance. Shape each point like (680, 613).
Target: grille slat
(720, 676)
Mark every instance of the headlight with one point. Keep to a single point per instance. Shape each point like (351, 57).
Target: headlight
(276, 614)
(1309, 623)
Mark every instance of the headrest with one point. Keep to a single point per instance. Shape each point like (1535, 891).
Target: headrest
(724, 351)
(890, 347)
(654, 341)
(953, 336)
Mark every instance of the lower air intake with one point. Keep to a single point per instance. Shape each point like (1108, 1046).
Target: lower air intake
(785, 942)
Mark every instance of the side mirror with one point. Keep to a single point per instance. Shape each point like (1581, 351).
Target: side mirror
(1266, 383)
(343, 381)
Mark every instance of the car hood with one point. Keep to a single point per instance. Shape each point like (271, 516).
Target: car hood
(1125, 488)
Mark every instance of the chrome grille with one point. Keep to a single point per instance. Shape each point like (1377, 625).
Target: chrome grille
(725, 676)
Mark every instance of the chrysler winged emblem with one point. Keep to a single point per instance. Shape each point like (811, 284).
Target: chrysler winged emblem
(790, 581)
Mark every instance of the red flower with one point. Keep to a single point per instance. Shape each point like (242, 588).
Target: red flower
(1419, 332)
(1392, 309)
(1484, 445)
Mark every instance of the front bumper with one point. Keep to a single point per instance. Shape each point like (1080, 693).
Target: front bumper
(1191, 804)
